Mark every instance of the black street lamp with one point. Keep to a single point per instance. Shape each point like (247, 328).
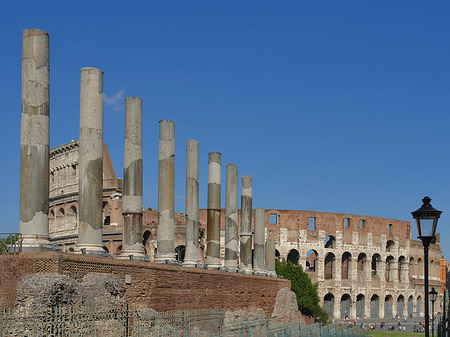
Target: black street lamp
(433, 296)
(426, 220)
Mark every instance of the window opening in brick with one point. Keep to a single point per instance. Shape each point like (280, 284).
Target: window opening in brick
(312, 224)
(346, 222)
(273, 219)
(362, 223)
(389, 229)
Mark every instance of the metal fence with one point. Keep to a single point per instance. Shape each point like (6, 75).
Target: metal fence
(10, 243)
(124, 321)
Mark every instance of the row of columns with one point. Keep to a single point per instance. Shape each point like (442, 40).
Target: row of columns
(34, 193)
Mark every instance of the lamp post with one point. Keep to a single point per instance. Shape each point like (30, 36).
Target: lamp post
(426, 220)
(433, 296)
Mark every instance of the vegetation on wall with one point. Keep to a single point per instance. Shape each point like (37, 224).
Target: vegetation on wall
(307, 297)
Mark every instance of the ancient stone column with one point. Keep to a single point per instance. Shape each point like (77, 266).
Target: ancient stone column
(191, 256)
(231, 218)
(34, 141)
(166, 193)
(90, 180)
(213, 216)
(259, 256)
(270, 257)
(246, 224)
(132, 181)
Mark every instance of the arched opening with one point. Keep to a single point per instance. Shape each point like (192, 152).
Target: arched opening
(389, 270)
(119, 250)
(346, 302)
(293, 256)
(330, 242)
(311, 260)
(346, 266)
(419, 267)
(402, 269)
(106, 214)
(330, 266)
(410, 306)
(419, 306)
(277, 255)
(361, 266)
(145, 237)
(376, 263)
(390, 245)
(328, 304)
(52, 214)
(401, 306)
(412, 268)
(71, 250)
(106, 249)
(360, 306)
(388, 300)
(179, 253)
(61, 212)
(375, 306)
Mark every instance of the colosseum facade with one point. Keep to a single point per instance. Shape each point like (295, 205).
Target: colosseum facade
(364, 266)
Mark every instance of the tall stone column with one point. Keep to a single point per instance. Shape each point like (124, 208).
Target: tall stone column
(166, 193)
(259, 257)
(246, 224)
(214, 209)
(270, 257)
(34, 141)
(90, 179)
(132, 180)
(191, 256)
(231, 218)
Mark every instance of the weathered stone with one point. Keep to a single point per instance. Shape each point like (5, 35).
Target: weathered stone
(259, 258)
(231, 218)
(246, 224)
(103, 290)
(214, 210)
(286, 307)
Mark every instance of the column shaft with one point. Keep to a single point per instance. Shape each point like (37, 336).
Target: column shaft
(259, 257)
(90, 183)
(133, 180)
(191, 256)
(34, 141)
(270, 256)
(213, 216)
(166, 193)
(231, 218)
(246, 224)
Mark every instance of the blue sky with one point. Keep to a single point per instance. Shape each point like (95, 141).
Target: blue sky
(336, 106)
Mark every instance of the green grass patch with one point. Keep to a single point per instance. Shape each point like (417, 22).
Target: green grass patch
(394, 333)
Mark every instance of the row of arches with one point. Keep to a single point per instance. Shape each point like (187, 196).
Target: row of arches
(330, 243)
(373, 307)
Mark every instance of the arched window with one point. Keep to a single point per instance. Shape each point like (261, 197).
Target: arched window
(330, 266)
(330, 242)
(293, 256)
(311, 260)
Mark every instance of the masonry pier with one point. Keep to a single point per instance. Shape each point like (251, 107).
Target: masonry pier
(246, 224)
(90, 183)
(270, 257)
(231, 218)
(166, 193)
(259, 257)
(213, 216)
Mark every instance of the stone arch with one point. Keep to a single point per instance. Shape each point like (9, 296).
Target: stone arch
(346, 304)
(419, 267)
(388, 301)
(376, 263)
(402, 269)
(410, 306)
(389, 270)
(146, 237)
(361, 266)
(346, 266)
(277, 255)
(330, 242)
(106, 249)
(179, 253)
(61, 212)
(360, 306)
(401, 306)
(419, 306)
(52, 214)
(119, 250)
(330, 266)
(311, 260)
(375, 306)
(390, 245)
(293, 256)
(328, 304)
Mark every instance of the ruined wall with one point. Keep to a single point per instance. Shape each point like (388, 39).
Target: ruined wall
(161, 287)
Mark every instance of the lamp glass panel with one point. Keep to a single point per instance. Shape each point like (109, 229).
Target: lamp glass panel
(426, 227)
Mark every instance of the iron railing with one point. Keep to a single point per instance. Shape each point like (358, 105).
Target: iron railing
(10, 243)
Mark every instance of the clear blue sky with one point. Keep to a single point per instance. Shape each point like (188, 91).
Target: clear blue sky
(337, 106)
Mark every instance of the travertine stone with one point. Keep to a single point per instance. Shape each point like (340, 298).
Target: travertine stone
(34, 141)
(246, 224)
(133, 180)
(166, 193)
(191, 256)
(259, 257)
(91, 162)
(213, 216)
(231, 218)
(270, 256)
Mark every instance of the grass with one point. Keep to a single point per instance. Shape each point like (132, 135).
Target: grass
(394, 333)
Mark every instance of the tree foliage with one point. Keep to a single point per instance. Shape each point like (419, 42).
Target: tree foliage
(307, 298)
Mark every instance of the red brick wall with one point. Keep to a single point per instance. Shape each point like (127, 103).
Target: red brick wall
(161, 287)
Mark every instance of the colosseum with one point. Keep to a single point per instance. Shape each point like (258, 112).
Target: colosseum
(364, 266)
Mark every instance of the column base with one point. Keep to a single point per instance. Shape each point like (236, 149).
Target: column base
(90, 249)
(35, 243)
(246, 270)
(213, 262)
(271, 274)
(137, 250)
(191, 263)
(164, 258)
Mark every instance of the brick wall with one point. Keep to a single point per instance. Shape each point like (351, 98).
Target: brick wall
(161, 287)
